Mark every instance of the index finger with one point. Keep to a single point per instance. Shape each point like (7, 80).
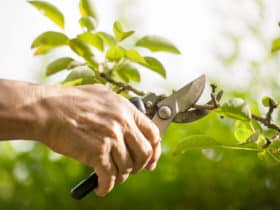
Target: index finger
(148, 128)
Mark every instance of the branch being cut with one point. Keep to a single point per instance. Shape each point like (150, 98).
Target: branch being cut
(266, 121)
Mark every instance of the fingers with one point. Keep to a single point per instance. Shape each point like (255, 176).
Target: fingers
(155, 157)
(139, 147)
(107, 173)
(152, 134)
(122, 160)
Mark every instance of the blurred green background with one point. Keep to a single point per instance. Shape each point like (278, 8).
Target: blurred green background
(237, 58)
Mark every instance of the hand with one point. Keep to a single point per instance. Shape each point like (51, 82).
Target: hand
(101, 129)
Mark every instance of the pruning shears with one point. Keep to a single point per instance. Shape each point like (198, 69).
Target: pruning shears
(162, 110)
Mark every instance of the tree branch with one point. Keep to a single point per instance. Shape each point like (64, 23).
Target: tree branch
(121, 85)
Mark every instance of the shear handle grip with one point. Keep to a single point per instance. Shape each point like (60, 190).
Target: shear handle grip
(87, 185)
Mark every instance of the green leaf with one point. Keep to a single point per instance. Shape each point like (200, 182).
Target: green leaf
(50, 39)
(92, 63)
(275, 45)
(42, 50)
(243, 130)
(92, 39)
(274, 150)
(120, 34)
(80, 48)
(155, 65)
(128, 73)
(87, 22)
(87, 8)
(58, 65)
(50, 11)
(237, 109)
(134, 55)
(156, 44)
(198, 142)
(80, 77)
(254, 137)
(107, 38)
(266, 101)
(261, 142)
(115, 53)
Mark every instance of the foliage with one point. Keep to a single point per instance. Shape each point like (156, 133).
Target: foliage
(118, 63)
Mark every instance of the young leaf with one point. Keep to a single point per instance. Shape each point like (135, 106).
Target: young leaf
(265, 101)
(134, 55)
(261, 142)
(74, 82)
(80, 48)
(243, 130)
(115, 53)
(155, 65)
(92, 39)
(275, 45)
(198, 142)
(87, 8)
(92, 63)
(237, 109)
(87, 22)
(80, 77)
(58, 65)
(50, 11)
(107, 38)
(254, 137)
(49, 40)
(274, 150)
(42, 50)
(157, 43)
(120, 34)
(128, 73)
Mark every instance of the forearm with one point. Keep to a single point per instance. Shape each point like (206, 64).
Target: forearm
(19, 110)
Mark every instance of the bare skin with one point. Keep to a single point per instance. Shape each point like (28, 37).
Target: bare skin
(89, 123)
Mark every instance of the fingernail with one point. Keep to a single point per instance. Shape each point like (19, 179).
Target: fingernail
(152, 166)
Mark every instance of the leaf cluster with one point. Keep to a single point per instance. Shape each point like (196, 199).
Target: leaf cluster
(103, 56)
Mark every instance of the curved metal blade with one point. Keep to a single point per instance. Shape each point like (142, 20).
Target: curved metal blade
(196, 114)
(180, 101)
(186, 96)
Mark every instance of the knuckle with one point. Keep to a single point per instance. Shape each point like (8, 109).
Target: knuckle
(113, 129)
(148, 152)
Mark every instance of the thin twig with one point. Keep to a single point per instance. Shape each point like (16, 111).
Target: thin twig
(122, 85)
(265, 122)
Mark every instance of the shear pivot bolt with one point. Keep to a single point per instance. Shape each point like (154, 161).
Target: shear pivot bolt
(164, 112)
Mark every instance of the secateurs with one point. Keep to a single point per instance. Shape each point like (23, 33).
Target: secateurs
(178, 108)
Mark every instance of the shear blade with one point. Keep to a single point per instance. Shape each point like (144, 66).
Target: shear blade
(186, 96)
(179, 101)
(195, 114)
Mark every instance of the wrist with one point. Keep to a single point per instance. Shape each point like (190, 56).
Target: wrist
(20, 110)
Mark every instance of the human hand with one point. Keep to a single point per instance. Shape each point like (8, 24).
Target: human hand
(101, 129)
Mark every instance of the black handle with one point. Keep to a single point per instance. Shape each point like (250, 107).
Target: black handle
(91, 182)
